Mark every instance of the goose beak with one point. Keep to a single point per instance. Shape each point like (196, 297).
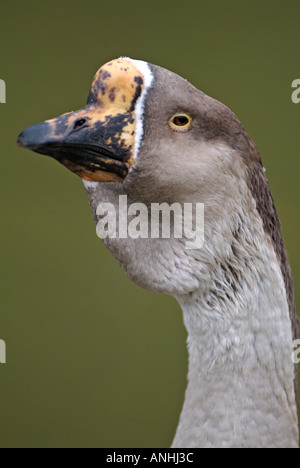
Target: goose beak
(79, 142)
(96, 142)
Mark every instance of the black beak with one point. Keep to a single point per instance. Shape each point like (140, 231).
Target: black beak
(34, 137)
(87, 146)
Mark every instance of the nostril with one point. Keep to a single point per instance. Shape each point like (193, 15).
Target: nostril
(79, 123)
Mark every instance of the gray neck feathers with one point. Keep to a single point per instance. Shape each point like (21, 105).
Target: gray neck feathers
(240, 391)
(233, 296)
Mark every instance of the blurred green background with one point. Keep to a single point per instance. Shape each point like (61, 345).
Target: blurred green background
(86, 368)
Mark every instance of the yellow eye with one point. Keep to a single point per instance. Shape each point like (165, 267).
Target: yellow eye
(180, 122)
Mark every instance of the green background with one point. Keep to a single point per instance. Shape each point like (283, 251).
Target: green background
(92, 360)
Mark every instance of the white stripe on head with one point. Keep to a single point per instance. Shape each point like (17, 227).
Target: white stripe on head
(144, 69)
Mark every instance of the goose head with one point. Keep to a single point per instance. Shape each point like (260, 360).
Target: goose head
(150, 134)
(144, 124)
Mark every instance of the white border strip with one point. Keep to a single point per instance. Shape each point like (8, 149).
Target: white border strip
(144, 69)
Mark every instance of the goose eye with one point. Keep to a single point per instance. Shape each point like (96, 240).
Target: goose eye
(180, 122)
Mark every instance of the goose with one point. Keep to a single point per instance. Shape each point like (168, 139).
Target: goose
(148, 134)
